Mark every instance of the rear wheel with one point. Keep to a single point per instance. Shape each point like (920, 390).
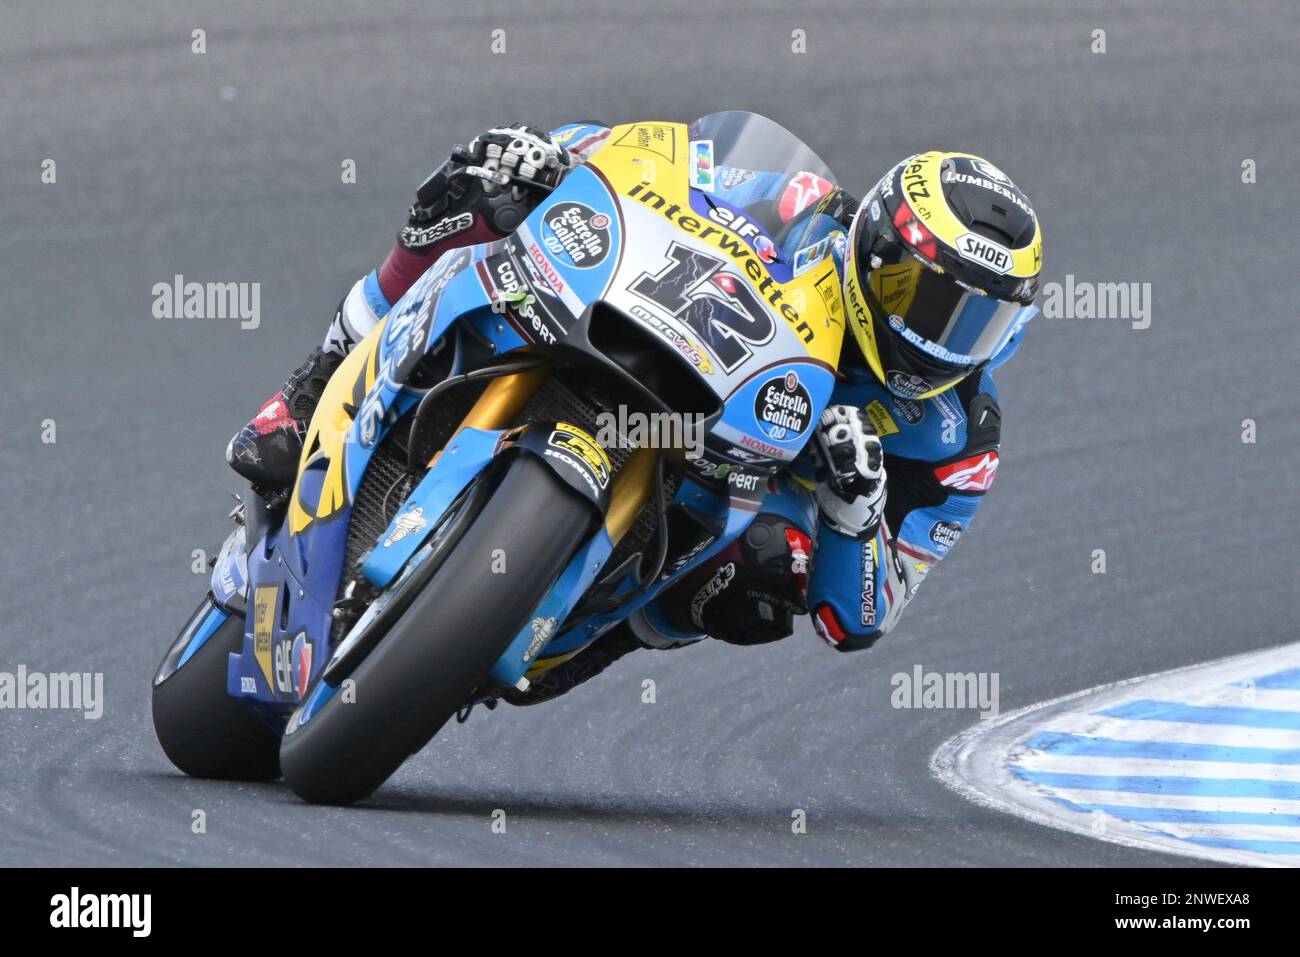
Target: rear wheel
(203, 731)
(514, 548)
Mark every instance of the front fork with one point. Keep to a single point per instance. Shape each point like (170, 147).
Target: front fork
(506, 397)
(474, 443)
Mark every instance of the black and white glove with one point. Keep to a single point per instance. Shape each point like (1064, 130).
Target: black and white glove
(496, 180)
(521, 157)
(851, 481)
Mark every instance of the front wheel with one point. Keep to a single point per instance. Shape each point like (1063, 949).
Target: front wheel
(513, 550)
(203, 730)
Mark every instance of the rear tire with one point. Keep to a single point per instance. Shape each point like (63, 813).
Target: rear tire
(203, 730)
(445, 642)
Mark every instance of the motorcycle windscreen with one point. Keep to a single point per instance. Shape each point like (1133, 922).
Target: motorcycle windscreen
(757, 165)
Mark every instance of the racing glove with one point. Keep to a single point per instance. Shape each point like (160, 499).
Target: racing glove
(850, 490)
(495, 181)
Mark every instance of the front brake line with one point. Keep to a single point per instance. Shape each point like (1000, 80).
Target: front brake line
(451, 382)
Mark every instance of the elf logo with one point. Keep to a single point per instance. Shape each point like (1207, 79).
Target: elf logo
(293, 665)
(985, 252)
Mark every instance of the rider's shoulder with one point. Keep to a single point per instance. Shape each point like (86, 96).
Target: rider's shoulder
(978, 396)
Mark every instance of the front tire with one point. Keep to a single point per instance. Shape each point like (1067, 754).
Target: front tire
(445, 642)
(203, 730)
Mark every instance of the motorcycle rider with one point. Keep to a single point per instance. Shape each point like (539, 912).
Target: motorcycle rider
(939, 265)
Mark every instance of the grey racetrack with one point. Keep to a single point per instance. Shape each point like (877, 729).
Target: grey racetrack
(225, 166)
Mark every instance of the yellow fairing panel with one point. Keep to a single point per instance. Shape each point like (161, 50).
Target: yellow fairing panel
(329, 425)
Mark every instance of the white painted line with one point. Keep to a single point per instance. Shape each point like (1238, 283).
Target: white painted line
(1125, 730)
(1235, 695)
(1129, 767)
(1245, 805)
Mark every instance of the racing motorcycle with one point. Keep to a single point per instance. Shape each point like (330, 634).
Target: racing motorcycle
(460, 522)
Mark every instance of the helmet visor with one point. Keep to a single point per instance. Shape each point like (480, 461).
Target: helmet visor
(951, 323)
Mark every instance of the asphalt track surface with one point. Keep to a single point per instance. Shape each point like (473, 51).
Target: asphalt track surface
(226, 166)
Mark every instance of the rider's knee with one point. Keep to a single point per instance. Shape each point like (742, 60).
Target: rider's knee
(751, 591)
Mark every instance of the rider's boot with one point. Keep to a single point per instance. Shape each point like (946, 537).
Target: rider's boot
(266, 450)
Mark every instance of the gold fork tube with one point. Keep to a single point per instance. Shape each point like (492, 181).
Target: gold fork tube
(501, 401)
(631, 491)
(505, 398)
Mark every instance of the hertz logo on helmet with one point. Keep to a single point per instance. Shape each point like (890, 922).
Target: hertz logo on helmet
(985, 252)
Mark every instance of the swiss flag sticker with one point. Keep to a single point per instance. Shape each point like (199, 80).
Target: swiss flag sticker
(972, 474)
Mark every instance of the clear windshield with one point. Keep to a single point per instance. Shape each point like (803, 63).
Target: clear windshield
(757, 165)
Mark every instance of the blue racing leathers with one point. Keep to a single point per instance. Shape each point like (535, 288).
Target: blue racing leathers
(941, 455)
